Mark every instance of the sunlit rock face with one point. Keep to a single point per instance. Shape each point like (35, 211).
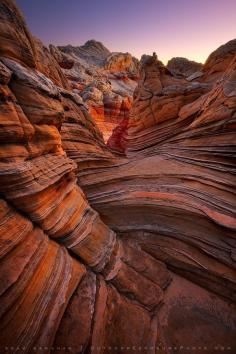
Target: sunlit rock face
(218, 61)
(157, 101)
(66, 279)
(176, 196)
(102, 252)
(105, 80)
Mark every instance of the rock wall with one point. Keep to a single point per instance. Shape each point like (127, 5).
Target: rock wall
(101, 253)
(175, 198)
(105, 80)
(68, 283)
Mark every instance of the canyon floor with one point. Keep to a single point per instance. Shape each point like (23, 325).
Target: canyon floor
(125, 247)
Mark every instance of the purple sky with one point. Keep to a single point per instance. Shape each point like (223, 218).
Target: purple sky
(189, 28)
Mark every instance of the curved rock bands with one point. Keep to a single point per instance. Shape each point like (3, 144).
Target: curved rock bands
(42, 282)
(175, 196)
(39, 279)
(144, 254)
(44, 288)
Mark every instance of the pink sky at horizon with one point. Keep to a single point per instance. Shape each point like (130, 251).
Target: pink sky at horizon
(171, 28)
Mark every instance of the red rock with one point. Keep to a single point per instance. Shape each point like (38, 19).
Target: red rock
(105, 80)
(119, 62)
(219, 60)
(104, 253)
(37, 280)
(47, 64)
(174, 199)
(16, 41)
(116, 141)
(75, 327)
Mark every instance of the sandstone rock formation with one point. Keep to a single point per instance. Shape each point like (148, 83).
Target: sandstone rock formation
(219, 60)
(102, 253)
(176, 196)
(104, 80)
(158, 99)
(61, 266)
(182, 67)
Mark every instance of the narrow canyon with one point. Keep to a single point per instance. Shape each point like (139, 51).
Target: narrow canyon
(119, 246)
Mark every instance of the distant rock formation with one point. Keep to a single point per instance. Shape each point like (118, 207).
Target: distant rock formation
(121, 62)
(104, 80)
(108, 253)
(91, 52)
(182, 67)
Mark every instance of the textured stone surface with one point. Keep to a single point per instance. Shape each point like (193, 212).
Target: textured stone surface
(218, 61)
(16, 41)
(182, 67)
(37, 280)
(104, 80)
(175, 199)
(18, 44)
(158, 100)
(106, 253)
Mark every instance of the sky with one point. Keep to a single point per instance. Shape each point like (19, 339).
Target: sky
(186, 28)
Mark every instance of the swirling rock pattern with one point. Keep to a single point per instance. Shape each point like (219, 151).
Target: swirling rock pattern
(105, 253)
(175, 197)
(61, 266)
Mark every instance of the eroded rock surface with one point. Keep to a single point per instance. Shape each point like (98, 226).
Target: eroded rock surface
(182, 67)
(103, 253)
(105, 80)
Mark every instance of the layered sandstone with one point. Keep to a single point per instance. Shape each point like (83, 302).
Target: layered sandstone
(219, 60)
(176, 196)
(101, 253)
(60, 266)
(158, 99)
(104, 80)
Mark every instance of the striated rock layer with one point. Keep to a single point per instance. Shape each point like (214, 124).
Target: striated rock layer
(67, 281)
(104, 80)
(175, 197)
(101, 253)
